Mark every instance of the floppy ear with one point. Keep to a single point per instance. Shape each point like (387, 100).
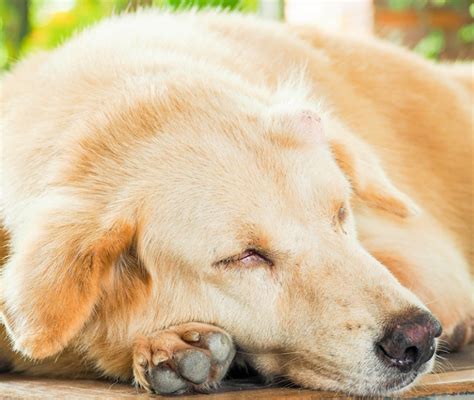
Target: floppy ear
(52, 281)
(368, 178)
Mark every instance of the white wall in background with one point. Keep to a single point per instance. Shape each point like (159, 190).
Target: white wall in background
(342, 15)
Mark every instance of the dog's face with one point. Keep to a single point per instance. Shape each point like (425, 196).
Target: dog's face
(247, 224)
(242, 218)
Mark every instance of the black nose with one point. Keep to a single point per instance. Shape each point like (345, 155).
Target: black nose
(409, 341)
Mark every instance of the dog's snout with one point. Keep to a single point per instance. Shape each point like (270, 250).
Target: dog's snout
(409, 342)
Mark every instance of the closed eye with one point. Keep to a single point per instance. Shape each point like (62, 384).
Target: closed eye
(342, 214)
(341, 217)
(249, 258)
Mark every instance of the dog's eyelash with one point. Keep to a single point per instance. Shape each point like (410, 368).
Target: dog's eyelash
(247, 257)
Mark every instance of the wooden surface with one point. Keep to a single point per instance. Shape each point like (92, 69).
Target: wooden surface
(457, 378)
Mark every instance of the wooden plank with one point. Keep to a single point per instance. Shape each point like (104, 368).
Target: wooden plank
(446, 383)
(18, 387)
(458, 377)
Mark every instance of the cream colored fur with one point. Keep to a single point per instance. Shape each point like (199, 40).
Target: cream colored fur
(147, 149)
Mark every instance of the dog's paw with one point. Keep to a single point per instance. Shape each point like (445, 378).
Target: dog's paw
(185, 358)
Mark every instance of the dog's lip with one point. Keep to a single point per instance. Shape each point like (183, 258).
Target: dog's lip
(398, 383)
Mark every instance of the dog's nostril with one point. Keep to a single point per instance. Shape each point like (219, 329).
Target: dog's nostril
(403, 360)
(408, 344)
(411, 355)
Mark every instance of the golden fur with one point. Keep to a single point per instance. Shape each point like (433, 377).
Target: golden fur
(150, 147)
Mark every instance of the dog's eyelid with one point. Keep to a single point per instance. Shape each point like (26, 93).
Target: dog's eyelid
(255, 253)
(340, 216)
(342, 213)
(249, 256)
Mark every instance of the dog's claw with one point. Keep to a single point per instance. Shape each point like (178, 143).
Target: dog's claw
(191, 336)
(159, 357)
(180, 359)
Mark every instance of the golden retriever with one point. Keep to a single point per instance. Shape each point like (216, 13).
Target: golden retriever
(179, 186)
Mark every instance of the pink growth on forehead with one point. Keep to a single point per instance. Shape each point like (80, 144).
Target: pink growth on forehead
(309, 123)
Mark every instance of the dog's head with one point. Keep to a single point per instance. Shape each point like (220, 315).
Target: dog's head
(239, 204)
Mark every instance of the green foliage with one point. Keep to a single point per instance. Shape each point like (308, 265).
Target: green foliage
(14, 26)
(400, 5)
(466, 33)
(183, 4)
(4, 53)
(61, 24)
(241, 5)
(431, 45)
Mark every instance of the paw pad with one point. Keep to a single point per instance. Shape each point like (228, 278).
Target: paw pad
(181, 359)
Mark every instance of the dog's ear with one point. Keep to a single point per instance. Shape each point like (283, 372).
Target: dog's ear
(355, 158)
(368, 179)
(52, 281)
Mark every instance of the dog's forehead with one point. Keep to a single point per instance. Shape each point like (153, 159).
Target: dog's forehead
(235, 170)
(249, 159)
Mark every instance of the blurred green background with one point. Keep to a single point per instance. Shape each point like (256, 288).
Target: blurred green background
(436, 29)
(440, 29)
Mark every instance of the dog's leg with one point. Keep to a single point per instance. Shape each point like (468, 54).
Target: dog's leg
(425, 259)
(188, 357)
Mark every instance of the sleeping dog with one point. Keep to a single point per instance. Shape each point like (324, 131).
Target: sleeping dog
(176, 187)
